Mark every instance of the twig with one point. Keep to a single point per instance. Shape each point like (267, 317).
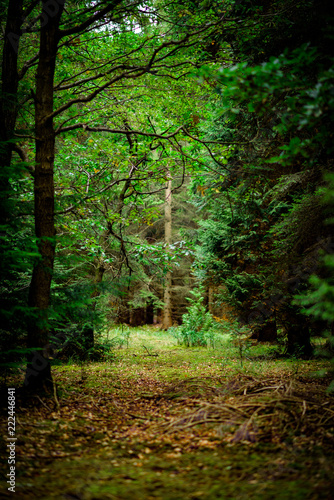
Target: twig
(148, 352)
(55, 395)
(46, 406)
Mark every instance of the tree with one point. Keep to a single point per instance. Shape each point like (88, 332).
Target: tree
(8, 98)
(167, 318)
(38, 373)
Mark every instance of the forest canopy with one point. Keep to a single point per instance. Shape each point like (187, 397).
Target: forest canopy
(162, 160)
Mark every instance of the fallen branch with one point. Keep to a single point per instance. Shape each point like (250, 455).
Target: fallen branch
(46, 406)
(55, 395)
(149, 353)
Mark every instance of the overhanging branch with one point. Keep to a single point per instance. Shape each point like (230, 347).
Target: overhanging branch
(126, 132)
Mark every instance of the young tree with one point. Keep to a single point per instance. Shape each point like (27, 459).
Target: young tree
(167, 317)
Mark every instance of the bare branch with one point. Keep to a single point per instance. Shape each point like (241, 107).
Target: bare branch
(132, 72)
(116, 131)
(22, 154)
(27, 65)
(29, 8)
(101, 74)
(212, 142)
(91, 20)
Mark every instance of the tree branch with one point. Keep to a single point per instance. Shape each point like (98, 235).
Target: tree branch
(91, 20)
(88, 128)
(22, 154)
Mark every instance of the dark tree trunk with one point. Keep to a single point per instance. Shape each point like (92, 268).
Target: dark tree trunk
(299, 343)
(138, 316)
(87, 338)
(87, 335)
(8, 99)
(38, 375)
(123, 315)
(266, 332)
(149, 316)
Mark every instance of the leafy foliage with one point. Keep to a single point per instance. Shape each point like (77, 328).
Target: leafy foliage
(197, 327)
(265, 229)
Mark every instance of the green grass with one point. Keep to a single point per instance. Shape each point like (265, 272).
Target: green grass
(158, 352)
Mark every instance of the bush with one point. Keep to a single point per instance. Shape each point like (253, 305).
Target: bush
(197, 323)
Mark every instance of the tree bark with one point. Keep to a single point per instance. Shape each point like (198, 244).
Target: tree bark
(299, 342)
(87, 336)
(167, 318)
(266, 332)
(8, 99)
(210, 299)
(38, 375)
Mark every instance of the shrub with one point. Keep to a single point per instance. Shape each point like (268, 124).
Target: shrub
(197, 323)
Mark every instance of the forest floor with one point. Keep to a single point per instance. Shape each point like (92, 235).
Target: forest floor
(164, 422)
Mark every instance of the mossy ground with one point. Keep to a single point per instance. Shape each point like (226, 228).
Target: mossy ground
(113, 434)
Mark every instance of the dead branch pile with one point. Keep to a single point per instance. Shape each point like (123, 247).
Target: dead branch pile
(248, 409)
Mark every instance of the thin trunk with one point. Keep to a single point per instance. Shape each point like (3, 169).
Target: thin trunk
(87, 336)
(100, 270)
(38, 375)
(210, 299)
(167, 319)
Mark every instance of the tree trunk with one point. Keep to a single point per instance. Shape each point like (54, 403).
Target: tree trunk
(299, 343)
(149, 314)
(38, 375)
(100, 270)
(167, 318)
(210, 299)
(87, 336)
(266, 332)
(8, 100)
